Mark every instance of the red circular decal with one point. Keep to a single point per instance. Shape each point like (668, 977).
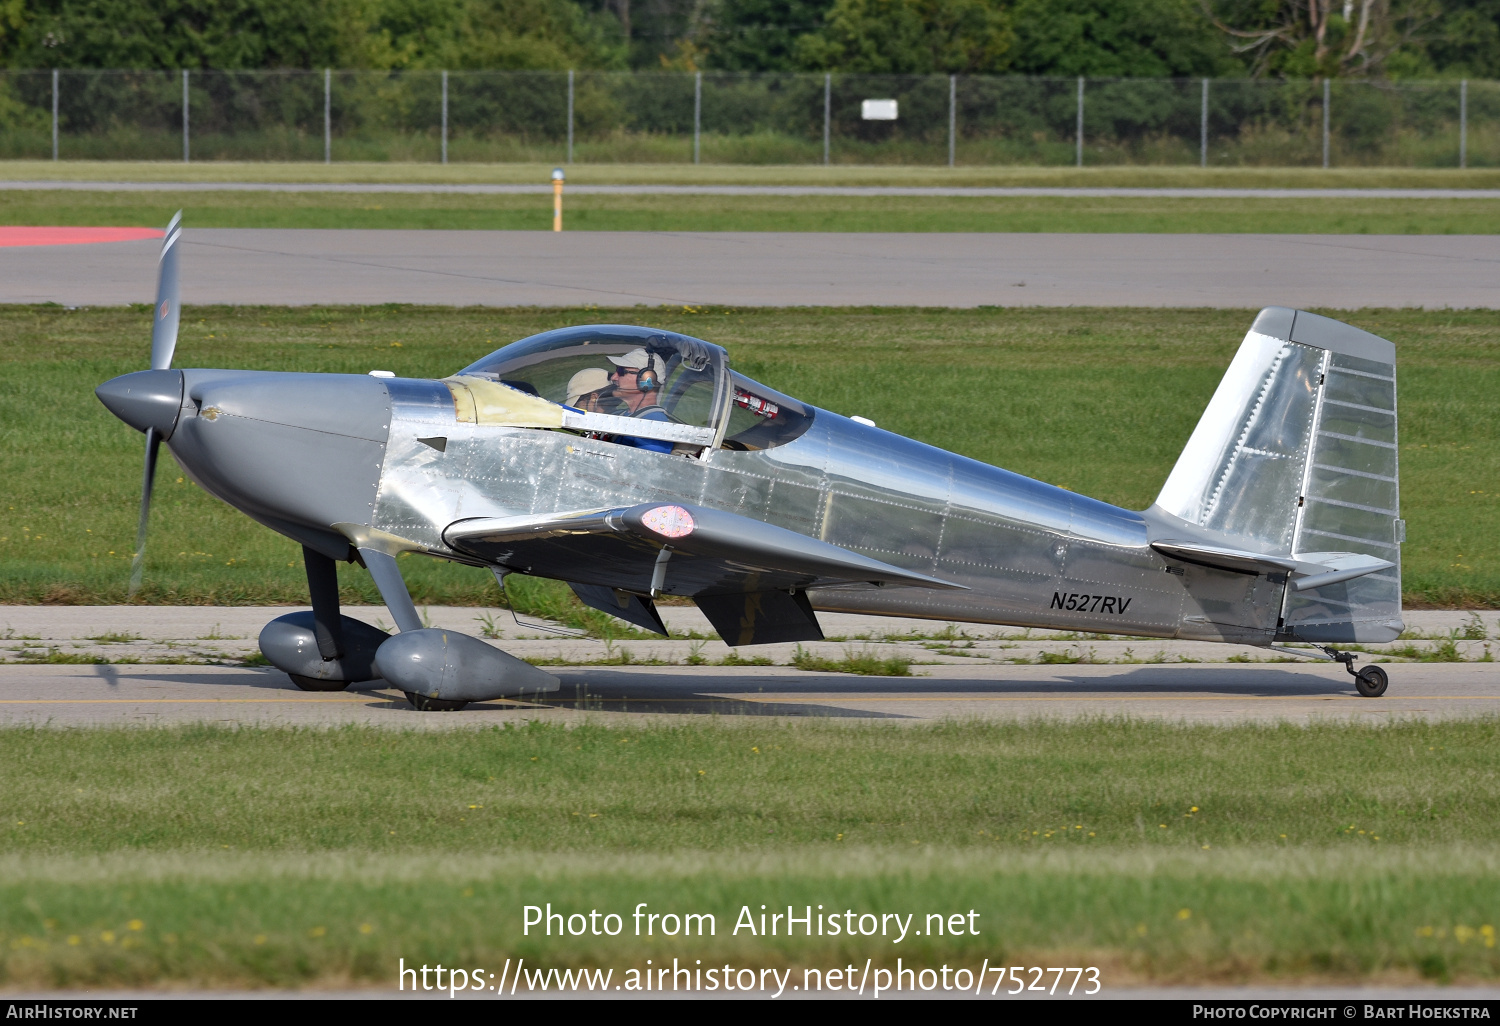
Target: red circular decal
(669, 521)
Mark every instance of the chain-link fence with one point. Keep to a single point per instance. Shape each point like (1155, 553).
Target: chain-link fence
(731, 118)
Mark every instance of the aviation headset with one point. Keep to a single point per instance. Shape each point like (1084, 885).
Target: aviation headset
(647, 380)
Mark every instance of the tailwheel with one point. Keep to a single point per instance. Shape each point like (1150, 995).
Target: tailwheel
(314, 684)
(422, 703)
(1371, 682)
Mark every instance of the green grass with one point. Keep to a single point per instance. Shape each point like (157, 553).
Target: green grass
(863, 662)
(53, 654)
(1099, 401)
(727, 174)
(758, 213)
(273, 856)
(734, 658)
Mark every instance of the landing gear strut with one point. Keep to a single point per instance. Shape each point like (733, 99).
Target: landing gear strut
(1370, 682)
(323, 589)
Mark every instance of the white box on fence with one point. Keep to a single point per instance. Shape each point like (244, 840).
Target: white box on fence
(878, 110)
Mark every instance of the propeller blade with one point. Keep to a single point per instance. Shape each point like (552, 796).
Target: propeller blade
(138, 564)
(168, 312)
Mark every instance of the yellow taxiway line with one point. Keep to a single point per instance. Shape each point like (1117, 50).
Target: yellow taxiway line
(1020, 698)
(1033, 698)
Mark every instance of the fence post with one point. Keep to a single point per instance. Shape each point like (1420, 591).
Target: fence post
(54, 113)
(184, 115)
(328, 115)
(1203, 130)
(697, 113)
(570, 116)
(1080, 121)
(1463, 123)
(445, 117)
(1327, 87)
(827, 113)
(952, 119)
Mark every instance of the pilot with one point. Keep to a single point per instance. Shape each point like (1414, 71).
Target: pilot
(587, 388)
(637, 380)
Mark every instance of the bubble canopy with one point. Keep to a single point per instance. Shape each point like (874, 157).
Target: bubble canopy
(697, 386)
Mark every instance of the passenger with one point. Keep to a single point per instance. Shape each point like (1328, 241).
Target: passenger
(587, 388)
(637, 380)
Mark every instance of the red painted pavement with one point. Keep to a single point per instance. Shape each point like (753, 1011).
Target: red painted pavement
(72, 236)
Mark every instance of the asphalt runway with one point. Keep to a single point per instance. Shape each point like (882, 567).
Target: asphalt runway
(465, 268)
(64, 695)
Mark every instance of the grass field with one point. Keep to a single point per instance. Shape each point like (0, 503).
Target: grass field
(1153, 852)
(758, 213)
(729, 174)
(1099, 401)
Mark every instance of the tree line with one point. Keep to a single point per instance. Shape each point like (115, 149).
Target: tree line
(1097, 38)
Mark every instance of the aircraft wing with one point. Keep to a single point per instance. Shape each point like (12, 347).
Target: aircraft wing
(679, 549)
(748, 577)
(1307, 570)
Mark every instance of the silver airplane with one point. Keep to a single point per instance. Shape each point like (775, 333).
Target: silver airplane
(1279, 524)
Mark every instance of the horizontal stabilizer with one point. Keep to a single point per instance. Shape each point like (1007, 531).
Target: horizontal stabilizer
(675, 549)
(1337, 568)
(1307, 570)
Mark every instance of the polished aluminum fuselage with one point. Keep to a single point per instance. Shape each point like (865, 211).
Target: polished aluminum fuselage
(1291, 472)
(1031, 554)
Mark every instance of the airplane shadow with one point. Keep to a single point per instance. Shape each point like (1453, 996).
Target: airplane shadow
(1231, 680)
(635, 692)
(252, 677)
(714, 694)
(261, 679)
(592, 691)
(709, 693)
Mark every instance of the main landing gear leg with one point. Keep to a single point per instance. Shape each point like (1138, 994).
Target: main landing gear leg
(387, 576)
(1370, 682)
(323, 589)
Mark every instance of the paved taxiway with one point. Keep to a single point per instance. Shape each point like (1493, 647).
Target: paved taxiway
(159, 670)
(462, 268)
(62, 695)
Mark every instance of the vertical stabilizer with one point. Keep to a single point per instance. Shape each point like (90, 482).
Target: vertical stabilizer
(1296, 456)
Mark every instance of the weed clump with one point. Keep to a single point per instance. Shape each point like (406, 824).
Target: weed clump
(864, 662)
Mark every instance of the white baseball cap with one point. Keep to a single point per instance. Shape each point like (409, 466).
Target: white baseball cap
(639, 359)
(590, 379)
